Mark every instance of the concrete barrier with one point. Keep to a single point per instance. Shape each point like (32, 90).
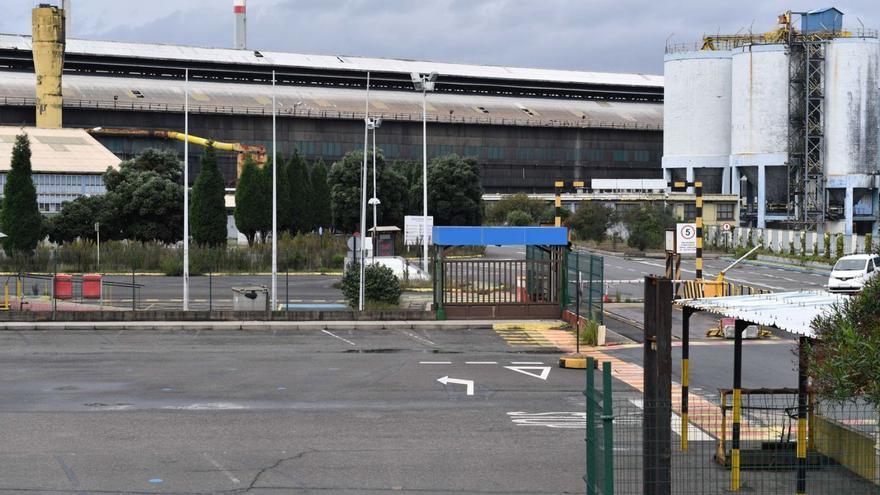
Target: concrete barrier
(852, 449)
(134, 316)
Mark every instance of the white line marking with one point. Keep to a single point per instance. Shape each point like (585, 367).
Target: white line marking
(545, 371)
(526, 362)
(418, 338)
(576, 420)
(338, 337)
(481, 362)
(467, 383)
(221, 468)
(435, 362)
(695, 434)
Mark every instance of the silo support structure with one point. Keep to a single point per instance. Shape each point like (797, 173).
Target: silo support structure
(725, 180)
(735, 182)
(875, 229)
(848, 212)
(762, 196)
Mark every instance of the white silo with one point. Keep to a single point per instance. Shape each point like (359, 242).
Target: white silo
(759, 127)
(696, 117)
(852, 110)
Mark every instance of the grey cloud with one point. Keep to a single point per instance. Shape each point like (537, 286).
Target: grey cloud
(598, 35)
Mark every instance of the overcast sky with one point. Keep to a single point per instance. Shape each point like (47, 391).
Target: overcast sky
(596, 35)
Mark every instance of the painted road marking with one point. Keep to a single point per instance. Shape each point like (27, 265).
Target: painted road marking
(338, 337)
(570, 420)
(481, 362)
(526, 362)
(695, 434)
(435, 362)
(221, 469)
(418, 338)
(468, 383)
(210, 406)
(545, 371)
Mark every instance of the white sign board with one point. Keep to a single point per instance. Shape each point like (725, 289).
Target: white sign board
(414, 230)
(686, 238)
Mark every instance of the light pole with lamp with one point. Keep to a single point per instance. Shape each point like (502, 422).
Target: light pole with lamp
(274, 292)
(363, 271)
(185, 195)
(424, 83)
(374, 124)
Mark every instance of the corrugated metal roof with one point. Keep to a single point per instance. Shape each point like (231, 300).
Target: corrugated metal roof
(328, 102)
(60, 151)
(334, 62)
(792, 312)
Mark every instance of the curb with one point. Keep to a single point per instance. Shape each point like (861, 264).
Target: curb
(623, 319)
(243, 326)
(574, 362)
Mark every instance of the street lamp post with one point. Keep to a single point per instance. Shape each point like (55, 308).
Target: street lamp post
(374, 124)
(274, 298)
(98, 246)
(185, 193)
(363, 271)
(424, 83)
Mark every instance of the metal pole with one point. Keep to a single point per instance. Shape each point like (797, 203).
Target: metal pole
(273, 299)
(577, 319)
(133, 294)
(287, 285)
(738, 328)
(210, 283)
(375, 197)
(801, 478)
(425, 174)
(185, 198)
(361, 295)
(685, 373)
(98, 245)
(698, 190)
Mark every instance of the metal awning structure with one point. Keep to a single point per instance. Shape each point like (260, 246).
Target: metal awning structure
(791, 312)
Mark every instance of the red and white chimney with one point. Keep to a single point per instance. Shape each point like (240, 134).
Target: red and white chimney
(238, 7)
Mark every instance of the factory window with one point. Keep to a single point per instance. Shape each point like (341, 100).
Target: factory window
(641, 156)
(724, 211)
(496, 153)
(595, 155)
(472, 151)
(445, 149)
(690, 212)
(624, 209)
(523, 154)
(331, 149)
(390, 150)
(620, 155)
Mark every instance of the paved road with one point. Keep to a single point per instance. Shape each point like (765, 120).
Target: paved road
(285, 412)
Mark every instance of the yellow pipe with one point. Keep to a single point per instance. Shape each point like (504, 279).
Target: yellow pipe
(201, 141)
(48, 53)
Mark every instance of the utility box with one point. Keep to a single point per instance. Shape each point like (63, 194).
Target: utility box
(252, 298)
(384, 240)
(63, 286)
(91, 287)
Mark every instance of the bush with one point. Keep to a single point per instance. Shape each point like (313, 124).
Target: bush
(647, 226)
(381, 285)
(838, 246)
(589, 332)
(519, 218)
(539, 210)
(591, 221)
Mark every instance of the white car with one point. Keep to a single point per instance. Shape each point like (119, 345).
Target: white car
(851, 273)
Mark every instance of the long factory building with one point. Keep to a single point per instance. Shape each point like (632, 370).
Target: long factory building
(527, 127)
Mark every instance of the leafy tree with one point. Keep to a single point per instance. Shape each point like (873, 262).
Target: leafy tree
(284, 198)
(321, 211)
(248, 201)
(77, 218)
(647, 226)
(455, 196)
(591, 221)
(207, 214)
(844, 361)
(145, 196)
(519, 218)
(20, 218)
(381, 285)
(539, 210)
(345, 192)
(298, 177)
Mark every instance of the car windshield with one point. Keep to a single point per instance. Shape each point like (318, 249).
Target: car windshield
(850, 265)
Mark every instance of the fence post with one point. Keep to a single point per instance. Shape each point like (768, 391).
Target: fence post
(591, 430)
(657, 412)
(607, 428)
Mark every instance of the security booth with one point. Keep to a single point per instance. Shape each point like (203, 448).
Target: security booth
(500, 288)
(385, 240)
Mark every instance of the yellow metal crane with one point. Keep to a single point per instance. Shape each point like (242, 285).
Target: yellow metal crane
(255, 151)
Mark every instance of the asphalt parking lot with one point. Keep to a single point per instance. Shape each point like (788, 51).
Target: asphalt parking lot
(287, 412)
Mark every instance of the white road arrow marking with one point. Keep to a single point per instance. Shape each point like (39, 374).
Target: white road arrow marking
(545, 371)
(469, 383)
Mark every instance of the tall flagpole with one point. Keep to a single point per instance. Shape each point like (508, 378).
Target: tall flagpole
(274, 203)
(361, 295)
(186, 191)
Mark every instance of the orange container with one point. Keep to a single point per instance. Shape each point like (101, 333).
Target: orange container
(63, 286)
(91, 286)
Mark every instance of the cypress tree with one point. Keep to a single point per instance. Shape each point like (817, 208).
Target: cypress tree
(207, 214)
(248, 200)
(297, 173)
(265, 203)
(20, 219)
(285, 209)
(320, 204)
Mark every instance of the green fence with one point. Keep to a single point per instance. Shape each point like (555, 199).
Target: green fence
(591, 268)
(600, 433)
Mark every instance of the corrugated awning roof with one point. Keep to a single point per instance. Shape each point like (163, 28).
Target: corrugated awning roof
(333, 62)
(792, 312)
(58, 151)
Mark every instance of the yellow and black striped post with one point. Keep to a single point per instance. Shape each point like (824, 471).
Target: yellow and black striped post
(557, 186)
(802, 418)
(739, 326)
(698, 192)
(686, 313)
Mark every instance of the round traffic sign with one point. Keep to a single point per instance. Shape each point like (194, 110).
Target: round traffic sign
(725, 227)
(688, 232)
